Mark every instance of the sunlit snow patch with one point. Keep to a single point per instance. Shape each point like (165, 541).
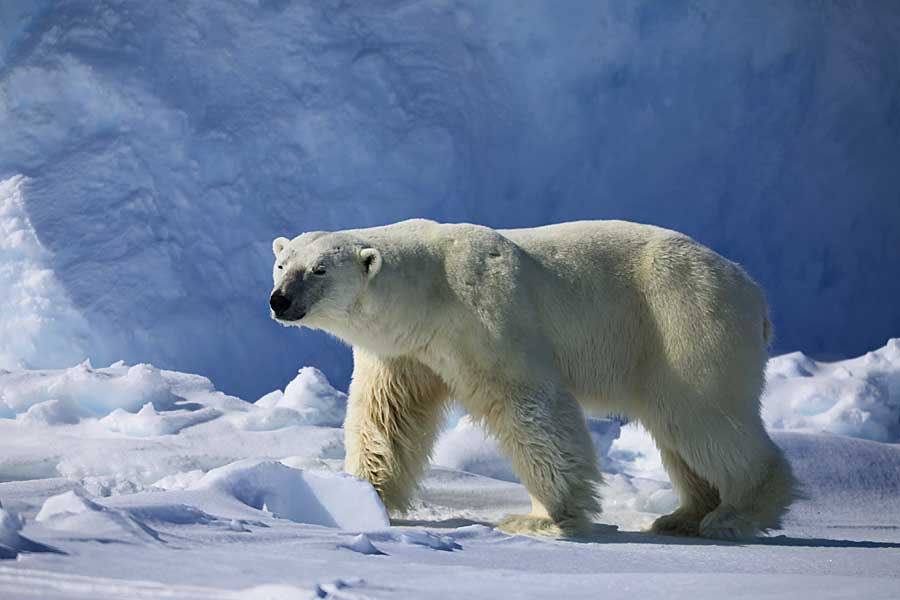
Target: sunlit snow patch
(858, 397)
(147, 421)
(319, 498)
(85, 391)
(307, 400)
(74, 512)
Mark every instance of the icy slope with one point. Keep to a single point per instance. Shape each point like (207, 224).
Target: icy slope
(166, 145)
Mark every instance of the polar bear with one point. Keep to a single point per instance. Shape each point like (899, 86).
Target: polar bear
(525, 327)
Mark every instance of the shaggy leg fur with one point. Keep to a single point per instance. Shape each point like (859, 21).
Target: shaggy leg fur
(544, 432)
(749, 472)
(698, 498)
(757, 503)
(393, 414)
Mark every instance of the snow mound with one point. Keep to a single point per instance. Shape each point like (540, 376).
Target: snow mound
(148, 422)
(74, 512)
(319, 498)
(362, 545)
(83, 390)
(58, 411)
(179, 481)
(337, 589)
(444, 543)
(307, 400)
(859, 397)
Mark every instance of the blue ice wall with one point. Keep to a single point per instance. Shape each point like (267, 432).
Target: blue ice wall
(168, 143)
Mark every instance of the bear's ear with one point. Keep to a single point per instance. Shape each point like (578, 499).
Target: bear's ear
(279, 244)
(370, 258)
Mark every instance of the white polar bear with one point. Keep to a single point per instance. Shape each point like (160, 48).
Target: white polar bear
(522, 326)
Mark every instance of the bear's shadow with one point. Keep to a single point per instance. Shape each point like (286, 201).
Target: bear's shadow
(610, 534)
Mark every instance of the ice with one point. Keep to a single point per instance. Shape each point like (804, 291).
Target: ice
(59, 411)
(167, 146)
(148, 422)
(93, 421)
(320, 498)
(858, 397)
(10, 540)
(307, 400)
(39, 325)
(83, 390)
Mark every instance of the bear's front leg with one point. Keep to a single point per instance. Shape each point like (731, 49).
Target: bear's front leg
(544, 432)
(393, 414)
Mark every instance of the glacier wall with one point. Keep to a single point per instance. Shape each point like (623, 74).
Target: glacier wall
(166, 144)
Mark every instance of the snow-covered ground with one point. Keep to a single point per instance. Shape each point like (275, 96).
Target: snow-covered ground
(129, 481)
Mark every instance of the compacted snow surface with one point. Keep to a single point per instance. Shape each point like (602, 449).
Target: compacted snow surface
(135, 482)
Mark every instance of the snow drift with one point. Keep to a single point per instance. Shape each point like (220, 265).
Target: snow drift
(166, 145)
(859, 397)
(318, 498)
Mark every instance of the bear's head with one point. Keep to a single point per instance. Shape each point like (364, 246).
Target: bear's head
(319, 279)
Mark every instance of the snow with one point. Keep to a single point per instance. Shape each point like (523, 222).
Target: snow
(145, 500)
(468, 447)
(858, 397)
(150, 153)
(83, 390)
(307, 400)
(363, 545)
(10, 540)
(319, 498)
(39, 326)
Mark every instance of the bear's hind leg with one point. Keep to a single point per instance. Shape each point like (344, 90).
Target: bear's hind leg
(393, 414)
(749, 471)
(696, 496)
(545, 434)
(756, 502)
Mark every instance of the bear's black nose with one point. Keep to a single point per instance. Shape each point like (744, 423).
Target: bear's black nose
(279, 303)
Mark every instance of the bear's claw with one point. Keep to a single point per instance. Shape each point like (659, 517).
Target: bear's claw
(680, 523)
(725, 523)
(541, 526)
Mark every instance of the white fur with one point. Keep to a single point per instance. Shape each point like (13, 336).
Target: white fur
(525, 328)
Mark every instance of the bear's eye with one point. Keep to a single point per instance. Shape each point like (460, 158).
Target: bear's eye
(281, 267)
(318, 270)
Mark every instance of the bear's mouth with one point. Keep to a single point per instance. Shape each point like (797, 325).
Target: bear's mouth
(290, 318)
